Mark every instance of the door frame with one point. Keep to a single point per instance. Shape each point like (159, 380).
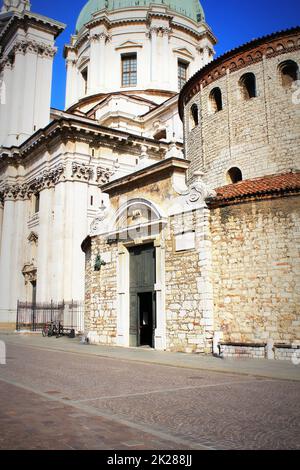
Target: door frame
(123, 293)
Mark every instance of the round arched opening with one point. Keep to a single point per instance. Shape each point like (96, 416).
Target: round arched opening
(234, 175)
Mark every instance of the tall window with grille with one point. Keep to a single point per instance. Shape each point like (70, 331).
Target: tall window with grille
(129, 70)
(182, 73)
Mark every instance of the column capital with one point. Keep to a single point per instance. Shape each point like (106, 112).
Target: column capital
(14, 192)
(34, 47)
(97, 37)
(49, 178)
(82, 172)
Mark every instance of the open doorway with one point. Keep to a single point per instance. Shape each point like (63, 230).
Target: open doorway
(142, 296)
(146, 319)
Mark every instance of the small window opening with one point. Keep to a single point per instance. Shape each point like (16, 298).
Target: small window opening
(162, 134)
(248, 86)
(194, 115)
(182, 73)
(289, 73)
(84, 75)
(234, 175)
(216, 101)
(37, 203)
(92, 200)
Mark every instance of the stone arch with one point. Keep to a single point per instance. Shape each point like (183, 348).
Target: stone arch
(289, 73)
(247, 84)
(194, 116)
(136, 211)
(234, 175)
(216, 100)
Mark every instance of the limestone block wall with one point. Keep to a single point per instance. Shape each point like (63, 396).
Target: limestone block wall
(256, 271)
(101, 293)
(188, 287)
(261, 135)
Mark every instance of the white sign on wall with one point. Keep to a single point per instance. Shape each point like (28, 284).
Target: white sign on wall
(185, 241)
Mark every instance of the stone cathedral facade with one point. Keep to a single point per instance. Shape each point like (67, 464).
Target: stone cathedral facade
(166, 194)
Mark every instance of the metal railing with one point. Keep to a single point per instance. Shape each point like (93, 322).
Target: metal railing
(33, 316)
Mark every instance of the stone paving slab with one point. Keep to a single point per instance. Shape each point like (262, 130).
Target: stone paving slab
(32, 422)
(53, 394)
(283, 370)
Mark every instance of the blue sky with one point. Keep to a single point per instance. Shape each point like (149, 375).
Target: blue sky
(234, 22)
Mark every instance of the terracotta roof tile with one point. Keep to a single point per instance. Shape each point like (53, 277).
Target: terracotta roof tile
(259, 186)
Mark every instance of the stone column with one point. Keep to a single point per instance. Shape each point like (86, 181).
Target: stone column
(96, 63)
(166, 55)
(45, 240)
(57, 244)
(101, 49)
(6, 259)
(5, 101)
(68, 240)
(27, 108)
(153, 35)
(79, 233)
(160, 332)
(17, 86)
(43, 88)
(17, 283)
(72, 83)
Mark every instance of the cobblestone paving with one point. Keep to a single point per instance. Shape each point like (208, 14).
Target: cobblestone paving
(56, 400)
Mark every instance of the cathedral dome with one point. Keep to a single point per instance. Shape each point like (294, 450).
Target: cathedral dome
(189, 8)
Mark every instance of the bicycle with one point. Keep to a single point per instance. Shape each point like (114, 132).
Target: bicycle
(51, 329)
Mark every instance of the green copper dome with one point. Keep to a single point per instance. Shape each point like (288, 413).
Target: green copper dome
(189, 8)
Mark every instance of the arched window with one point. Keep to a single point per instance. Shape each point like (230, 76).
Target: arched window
(216, 101)
(248, 86)
(194, 116)
(289, 72)
(234, 175)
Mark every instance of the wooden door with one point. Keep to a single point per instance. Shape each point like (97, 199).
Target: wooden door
(142, 281)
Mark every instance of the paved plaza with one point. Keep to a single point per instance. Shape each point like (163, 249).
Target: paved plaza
(58, 394)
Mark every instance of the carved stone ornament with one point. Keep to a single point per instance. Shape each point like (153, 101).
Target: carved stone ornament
(81, 171)
(194, 197)
(14, 191)
(199, 191)
(33, 238)
(48, 178)
(104, 174)
(15, 5)
(29, 272)
(97, 223)
(35, 47)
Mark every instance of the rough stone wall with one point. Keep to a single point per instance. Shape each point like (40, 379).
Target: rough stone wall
(256, 270)
(101, 294)
(188, 290)
(260, 136)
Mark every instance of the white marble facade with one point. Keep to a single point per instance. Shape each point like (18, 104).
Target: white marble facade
(52, 163)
